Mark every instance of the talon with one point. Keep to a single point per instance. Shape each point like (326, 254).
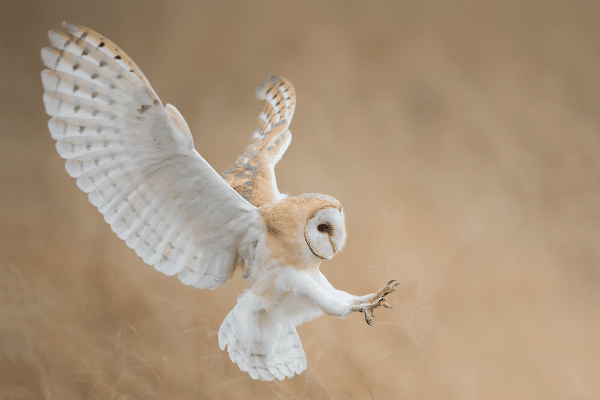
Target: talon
(378, 299)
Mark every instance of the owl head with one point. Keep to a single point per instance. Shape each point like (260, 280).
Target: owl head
(312, 225)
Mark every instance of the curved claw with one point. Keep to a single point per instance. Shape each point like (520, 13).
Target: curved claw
(378, 300)
(389, 288)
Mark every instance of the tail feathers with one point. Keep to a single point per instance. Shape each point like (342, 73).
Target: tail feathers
(264, 344)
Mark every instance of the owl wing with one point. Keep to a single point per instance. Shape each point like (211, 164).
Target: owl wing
(254, 176)
(136, 160)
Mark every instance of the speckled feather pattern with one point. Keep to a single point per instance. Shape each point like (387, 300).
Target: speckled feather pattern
(124, 150)
(136, 160)
(254, 176)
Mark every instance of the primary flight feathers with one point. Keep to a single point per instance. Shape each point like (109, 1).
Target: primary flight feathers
(136, 159)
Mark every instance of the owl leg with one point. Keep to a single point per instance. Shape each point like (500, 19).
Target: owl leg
(376, 300)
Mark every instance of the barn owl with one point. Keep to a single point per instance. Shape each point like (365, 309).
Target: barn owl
(136, 160)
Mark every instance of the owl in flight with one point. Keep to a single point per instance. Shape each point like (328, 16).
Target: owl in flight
(136, 159)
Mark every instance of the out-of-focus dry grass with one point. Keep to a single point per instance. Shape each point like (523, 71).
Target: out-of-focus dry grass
(462, 139)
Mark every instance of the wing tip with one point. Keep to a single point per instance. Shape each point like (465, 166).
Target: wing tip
(47, 79)
(55, 39)
(69, 26)
(261, 90)
(51, 103)
(49, 58)
(57, 128)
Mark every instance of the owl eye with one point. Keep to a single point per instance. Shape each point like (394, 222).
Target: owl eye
(324, 228)
(325, 232)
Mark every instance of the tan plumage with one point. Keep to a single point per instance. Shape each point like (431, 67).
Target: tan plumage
(136, 159)
(254, 177)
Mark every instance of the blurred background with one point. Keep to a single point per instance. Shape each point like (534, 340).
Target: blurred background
(462, 139)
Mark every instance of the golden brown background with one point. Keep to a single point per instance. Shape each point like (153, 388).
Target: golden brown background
(462, 139)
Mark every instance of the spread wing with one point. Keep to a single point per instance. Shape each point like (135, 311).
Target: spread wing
(254, 176)
(136, 160)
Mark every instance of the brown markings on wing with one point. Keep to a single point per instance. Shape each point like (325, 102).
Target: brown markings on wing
(254, 176)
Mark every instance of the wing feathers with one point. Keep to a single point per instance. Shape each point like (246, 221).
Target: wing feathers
(80, 68)
(74, 146)
(254, 177)
(68, 127)
(113, 51)
(136, 160)
(180, 124)
(280, 103)
(66, 83)
(125, 184)
(175, 256)
(79, 165)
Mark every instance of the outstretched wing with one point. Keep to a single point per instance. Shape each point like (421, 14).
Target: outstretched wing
(254, 177)
(136, 160)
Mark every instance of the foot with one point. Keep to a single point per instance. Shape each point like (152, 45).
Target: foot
(376, 300)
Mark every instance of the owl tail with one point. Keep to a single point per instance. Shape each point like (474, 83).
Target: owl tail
(263, 343)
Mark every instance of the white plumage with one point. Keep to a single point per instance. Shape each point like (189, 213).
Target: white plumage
(137, 161)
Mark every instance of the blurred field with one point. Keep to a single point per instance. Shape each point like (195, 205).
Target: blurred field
(462, 139)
